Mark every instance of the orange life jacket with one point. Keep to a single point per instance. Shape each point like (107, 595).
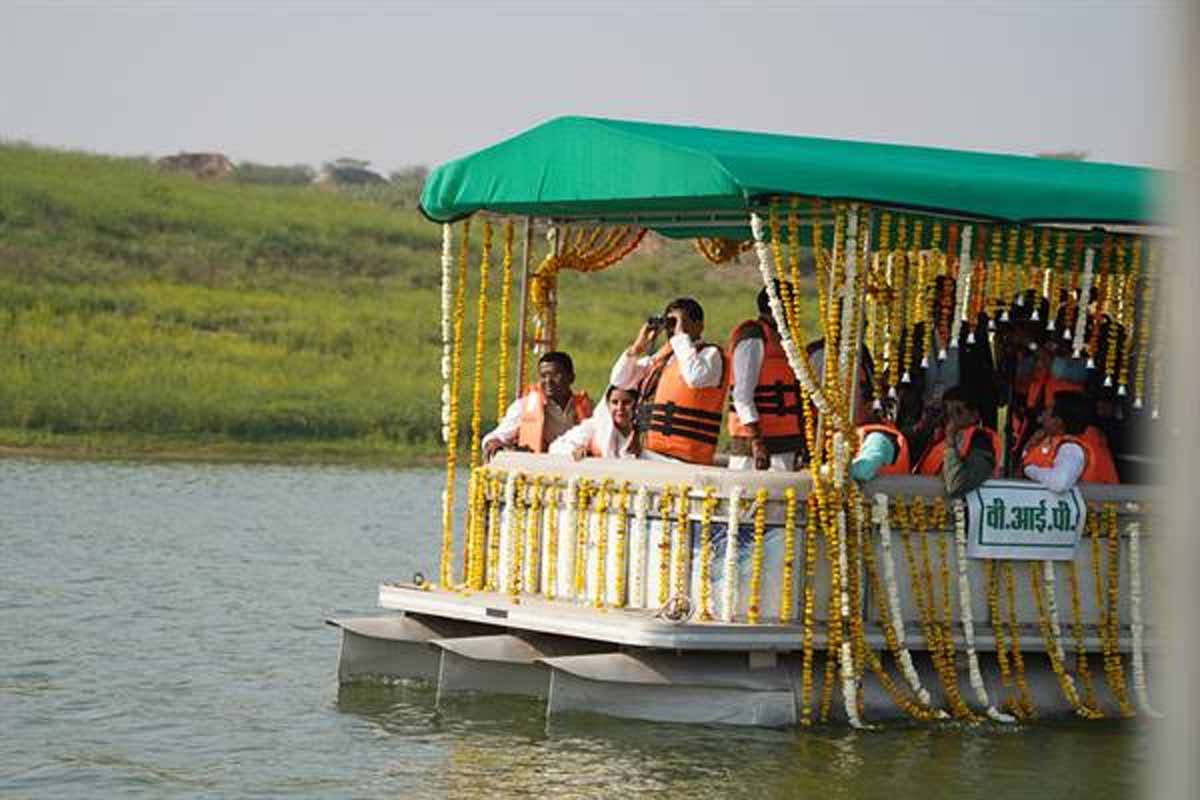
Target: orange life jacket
(931, 462)
(680, 421)
(901, 464)
(532, 425)
(1044, 386)
(1098, 466)
(777, 393)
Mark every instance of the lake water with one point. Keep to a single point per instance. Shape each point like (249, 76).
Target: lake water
(161, 635)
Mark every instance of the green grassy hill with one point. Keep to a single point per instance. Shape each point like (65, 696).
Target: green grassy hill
(148, 313)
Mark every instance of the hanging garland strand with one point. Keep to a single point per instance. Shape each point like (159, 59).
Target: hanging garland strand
(446, 573)
(485, 258)
(505, 305)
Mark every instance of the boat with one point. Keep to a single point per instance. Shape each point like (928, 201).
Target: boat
(683, 593)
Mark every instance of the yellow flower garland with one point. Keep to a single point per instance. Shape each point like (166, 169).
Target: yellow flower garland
(622, 542)
(1081, 658)
(810, 562)
(707, 509)
(493, 538)
(1113, 290)
(1052, 652)
(550, 587)
(533, 536)
(602, 509)
(756, 556)
(485, 259)
(1054, 278)
(1127, 315)
(833, 639)
(505, 305)
(581, 536)
(786, 596)
(446, 573)
(1113, 667)
(514, 539)
(989, 567)
(666, 504)
(1147, 314)
(1022, 706)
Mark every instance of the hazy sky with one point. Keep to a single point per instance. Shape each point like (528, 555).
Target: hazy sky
(401, 83)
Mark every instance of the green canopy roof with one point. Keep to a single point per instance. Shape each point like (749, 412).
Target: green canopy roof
(662, 176)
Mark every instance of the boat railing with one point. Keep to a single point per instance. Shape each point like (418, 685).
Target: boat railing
(651, 536)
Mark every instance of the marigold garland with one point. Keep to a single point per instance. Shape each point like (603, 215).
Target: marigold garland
(666, 505)
(497, 515)
(810, 563)
(1053, 646)
(622, 543)
(788, 578)
(707, 509)
(1102, 281)
(756, 556)
(603, 517)
(1113, 668)
(1147, 314)
(1130, 282)
(719, 250)
(533, 536)
(485, 259)
(505, 306)
(516, 529)
(582, 524)
(1012, 271)
(460, 293)
(1082, 669)
(1113, 305)
(550, 585)
(1053, 276)
(1022, 705)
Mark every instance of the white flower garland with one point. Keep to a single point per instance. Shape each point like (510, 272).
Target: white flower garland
(637, 549)
(849, 687)
(848, 298)
(907, 667)
(797, 360)
(1052, 610)
(962, 289)
(729, 584)
(447, 298)
(1046, 296)
(567, 532)
(506, 530)
(1081, 305)
(597, 526)
(968, 622)
(1134, 529)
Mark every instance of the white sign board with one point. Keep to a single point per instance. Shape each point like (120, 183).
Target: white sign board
(1024, 521)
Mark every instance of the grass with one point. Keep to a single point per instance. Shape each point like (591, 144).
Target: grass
(145, 314)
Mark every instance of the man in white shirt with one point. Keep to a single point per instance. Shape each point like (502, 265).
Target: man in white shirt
(681, 387)
(544, 411)
(766, 423)
(609, 433)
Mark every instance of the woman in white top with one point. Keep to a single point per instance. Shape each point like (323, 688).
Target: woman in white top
(608, 433)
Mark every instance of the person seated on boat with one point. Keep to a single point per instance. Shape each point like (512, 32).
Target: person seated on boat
(681, 386)
(1054, 371)
(766, 415)
(1066, 449)
(544, 411)
(883, 448)
(974, 454)
(609, 433)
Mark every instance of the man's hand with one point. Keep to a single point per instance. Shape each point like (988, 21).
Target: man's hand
(491, 447)
(579, 452)
(758, 449)
(642, 342)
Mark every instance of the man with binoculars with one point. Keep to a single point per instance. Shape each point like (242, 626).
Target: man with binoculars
(681, 385)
